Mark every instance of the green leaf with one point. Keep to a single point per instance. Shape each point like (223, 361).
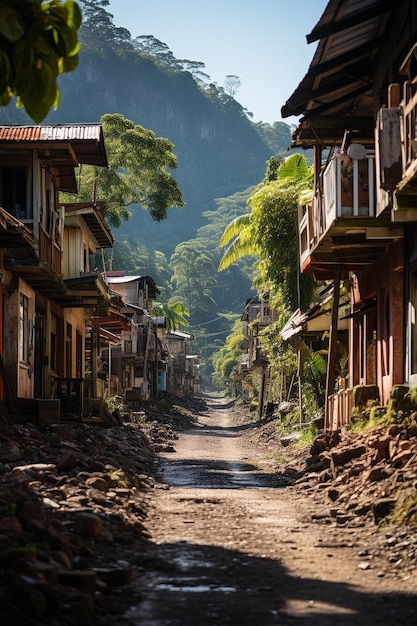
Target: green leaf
(235, 228)
(74, 17)
(10, 26)
(4, 72)
(68, 63)
(38, 101)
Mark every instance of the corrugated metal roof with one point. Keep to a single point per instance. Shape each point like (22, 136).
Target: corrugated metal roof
(120, 280)
(86, 140)
(351, 34)
(50, 133)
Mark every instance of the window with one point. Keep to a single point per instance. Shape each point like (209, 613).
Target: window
(24, 334)
(128, 346)
(14, 191)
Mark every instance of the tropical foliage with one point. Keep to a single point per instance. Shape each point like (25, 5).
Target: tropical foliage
(229, 355)
(38, 42)
(137, 172)
(176, 314)
(269, 232)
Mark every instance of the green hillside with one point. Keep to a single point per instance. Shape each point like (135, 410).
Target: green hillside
(221, 155)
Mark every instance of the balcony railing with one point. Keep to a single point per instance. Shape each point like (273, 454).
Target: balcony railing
(410, 130)
(49, 252)
(348, 193)
(339, 410)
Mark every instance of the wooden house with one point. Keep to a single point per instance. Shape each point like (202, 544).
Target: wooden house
(256, 316)
(358, 103)
(183, 376)
(136, 363)
(48, 290)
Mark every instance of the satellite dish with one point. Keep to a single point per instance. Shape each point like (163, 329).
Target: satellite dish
(356, 151)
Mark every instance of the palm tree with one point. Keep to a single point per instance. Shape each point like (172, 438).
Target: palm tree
(242, 233)
(176, 314)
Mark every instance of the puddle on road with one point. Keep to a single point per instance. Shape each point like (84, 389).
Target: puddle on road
(193, 588)
(203, 474)
(185, 562)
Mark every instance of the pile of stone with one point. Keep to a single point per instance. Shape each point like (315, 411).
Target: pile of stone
(364, 473)
(368, 480)
(73, 500)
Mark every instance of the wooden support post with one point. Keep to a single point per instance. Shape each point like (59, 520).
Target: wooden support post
(262, 394)
(95, 343)
(331, 363)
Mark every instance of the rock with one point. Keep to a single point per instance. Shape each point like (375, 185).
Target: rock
(79, 578)
(402, 457)
(9, 452)
(333, 494)
(63, 431)
(97, 482)
(381, 445)
(115, 577)
(50, 504)
(87, 524)
(39, 469)
(347, 454)
(30, 510)
(376, 474)
(382, 508)
(343, 518)
(10, 524)
(67, 461)
(325, 460)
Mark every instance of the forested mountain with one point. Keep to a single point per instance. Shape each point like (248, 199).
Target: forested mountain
(221, 154)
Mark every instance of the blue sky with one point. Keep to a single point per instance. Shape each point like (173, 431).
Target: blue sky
(261, 41)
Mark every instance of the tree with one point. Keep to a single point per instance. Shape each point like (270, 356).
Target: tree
(196, 70)
(193, 279)
(275, 224)
(137, 172)
(228, 357)
(38, 42)
(277, 136)
(232, 84)
(176, 314)
(239, 233)
(97, 31)
(269, 230)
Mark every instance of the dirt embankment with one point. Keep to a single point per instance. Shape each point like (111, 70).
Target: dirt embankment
(187, 517)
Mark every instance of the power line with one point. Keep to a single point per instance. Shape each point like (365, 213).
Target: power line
(220, 317)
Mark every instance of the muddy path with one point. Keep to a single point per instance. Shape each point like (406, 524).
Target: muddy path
(232, 544)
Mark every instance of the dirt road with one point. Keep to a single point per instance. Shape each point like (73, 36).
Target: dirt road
(233, 545)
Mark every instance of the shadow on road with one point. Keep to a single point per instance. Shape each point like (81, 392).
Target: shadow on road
(209, 474)
(189, 584)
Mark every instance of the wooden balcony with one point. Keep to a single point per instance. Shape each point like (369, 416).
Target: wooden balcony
(338, 228)
(405, 195)
(410, 133)
(36, 260)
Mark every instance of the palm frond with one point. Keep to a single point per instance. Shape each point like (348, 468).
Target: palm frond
(293, 167)
(234, 228)
(240, 247)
